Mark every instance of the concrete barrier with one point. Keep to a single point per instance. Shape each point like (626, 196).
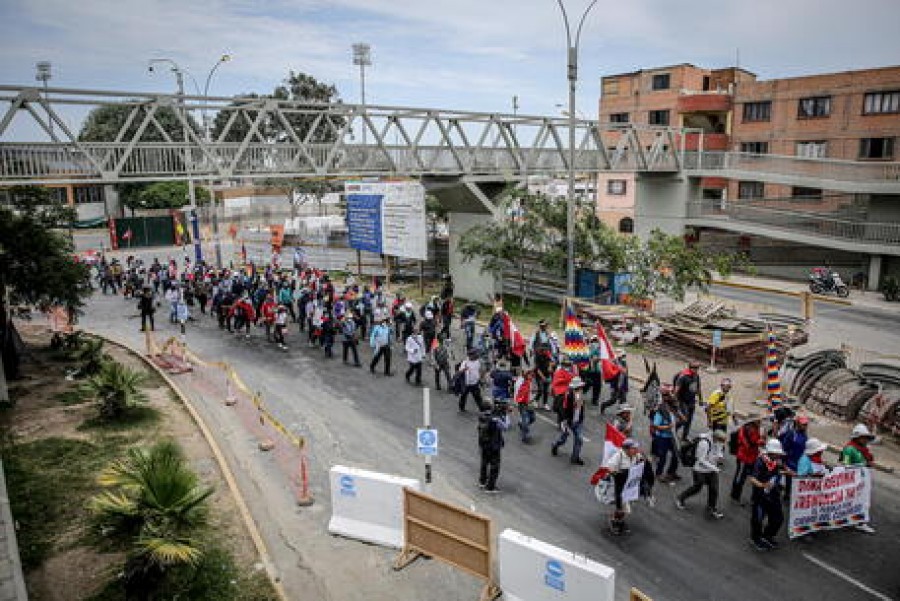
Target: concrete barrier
(532, 570)
(368, 506)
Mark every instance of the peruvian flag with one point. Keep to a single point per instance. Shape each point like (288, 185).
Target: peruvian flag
(612, 442)
(512, 333)
(608, 367)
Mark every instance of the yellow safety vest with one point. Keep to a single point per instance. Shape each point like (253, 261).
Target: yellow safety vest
(717, 409)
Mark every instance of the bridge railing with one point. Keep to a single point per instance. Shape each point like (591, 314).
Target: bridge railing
(796, 221)
(768, 164)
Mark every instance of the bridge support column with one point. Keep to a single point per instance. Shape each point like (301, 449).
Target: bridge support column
(661, 202)
(468, 280)
(874, 272)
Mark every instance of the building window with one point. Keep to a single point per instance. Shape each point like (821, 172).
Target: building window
(610, 87)
(758, 111)
(755, 147)
(751, 190)
(88, 194)
(814, 149)
(801, 192)
(660, 81)
(876, 148)
(879, 103)
(626, 225)
(616, 187)
(618, 118)
(814, 107)
(658, 117)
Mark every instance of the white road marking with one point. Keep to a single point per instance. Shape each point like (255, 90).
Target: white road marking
(556, 427)
(846, 577)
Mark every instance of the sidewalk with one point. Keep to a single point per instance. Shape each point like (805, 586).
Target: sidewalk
(863, 299)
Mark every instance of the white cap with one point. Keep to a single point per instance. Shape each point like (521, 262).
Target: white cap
(408, 305)
(813, 446)
(861, 430)
(773, 447)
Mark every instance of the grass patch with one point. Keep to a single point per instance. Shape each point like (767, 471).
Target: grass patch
(73, 396)
(133, 418)
(152, 379)
(216, 578)
(49, 482)
(525, 318)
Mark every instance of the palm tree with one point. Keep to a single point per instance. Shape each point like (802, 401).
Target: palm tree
(116, 387)
(90, 354)
(157, 501)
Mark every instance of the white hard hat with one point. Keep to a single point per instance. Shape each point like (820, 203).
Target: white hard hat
(813, 446)
(773, 447)
(408, 305)
(860, 430)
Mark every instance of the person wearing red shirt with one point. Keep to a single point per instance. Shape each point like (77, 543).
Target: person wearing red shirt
(267, 312)
(749, 441)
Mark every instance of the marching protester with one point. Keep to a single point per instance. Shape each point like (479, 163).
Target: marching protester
(793, 441)
(571, 420)
(502, 382)
(349, 339)
(719, 406)
(687, 392)
(619, 465)
(380, 340)
(710, 455)
(415, 354)
(744, 444)
(522, 396)
(662, 428)
(812, 463)
(767, 514)
(857, 453)
(492, 423)
(441, 359)
(618, 384)
(467, 317)
(147, 307)
(471, 370)
(624, 420)
(281, 317)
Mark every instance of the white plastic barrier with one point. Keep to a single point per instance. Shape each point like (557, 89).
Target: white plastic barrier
(532, 570)
(368, 506)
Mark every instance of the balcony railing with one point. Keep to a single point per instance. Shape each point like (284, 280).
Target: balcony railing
(770, 164)
(796, 221)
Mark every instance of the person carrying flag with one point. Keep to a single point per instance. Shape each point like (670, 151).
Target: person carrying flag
(522, 396)
(571, 418)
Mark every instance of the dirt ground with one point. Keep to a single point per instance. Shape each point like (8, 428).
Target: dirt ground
(75, 569)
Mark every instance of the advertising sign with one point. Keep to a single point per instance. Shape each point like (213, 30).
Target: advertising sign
(387, 218)
(838, 499)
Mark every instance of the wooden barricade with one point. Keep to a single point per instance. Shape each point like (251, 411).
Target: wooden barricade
(451, 534)
(637, 595)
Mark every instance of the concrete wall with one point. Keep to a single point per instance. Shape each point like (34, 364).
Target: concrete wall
(661, 202)
(469, 282)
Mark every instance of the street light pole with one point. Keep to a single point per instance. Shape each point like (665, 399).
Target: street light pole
(362, 56)
(44, 74)
(572, 74)
(217, 243)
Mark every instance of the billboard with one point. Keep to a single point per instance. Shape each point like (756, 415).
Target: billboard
(387, 218)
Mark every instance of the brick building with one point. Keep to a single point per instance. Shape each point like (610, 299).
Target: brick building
(853, 115)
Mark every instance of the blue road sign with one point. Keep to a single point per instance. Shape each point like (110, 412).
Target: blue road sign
(426, 441)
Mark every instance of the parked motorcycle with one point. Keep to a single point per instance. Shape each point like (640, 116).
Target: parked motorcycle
(822, 281)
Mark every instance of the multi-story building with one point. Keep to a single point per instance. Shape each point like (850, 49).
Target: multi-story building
(847, 116)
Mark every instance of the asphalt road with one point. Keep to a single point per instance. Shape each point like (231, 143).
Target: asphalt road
(354, 418)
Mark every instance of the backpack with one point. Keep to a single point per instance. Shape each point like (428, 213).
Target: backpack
(687, 453)
(733, 442)
(457, 383)
(486, 430)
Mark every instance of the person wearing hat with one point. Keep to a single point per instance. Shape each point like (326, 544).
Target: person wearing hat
(415, 355)
(706, 468)
(618, 465)
(624, 420)
(350, 333)
(811, 465)
(687, 392)
(543, 368)
(471, 370)
(571, 419)
(663, 422)
(767, 513)
(719, 406)
(749, 440)
(857, 453)
(592, 375)
(380, 340)
(793, 440)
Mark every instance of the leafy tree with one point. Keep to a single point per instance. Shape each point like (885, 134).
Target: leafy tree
(157, 503)
(38, 203)
(36, 267)
(297, 87)
(103, 124)
(511, 240)
(169, 195)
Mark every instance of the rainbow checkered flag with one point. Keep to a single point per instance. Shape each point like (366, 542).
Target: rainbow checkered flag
(574, 344)
(773, 374)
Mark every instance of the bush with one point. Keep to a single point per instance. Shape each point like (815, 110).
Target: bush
(116, 388)
(890, 287)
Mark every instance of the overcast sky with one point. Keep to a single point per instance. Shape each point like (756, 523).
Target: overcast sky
(464, 54)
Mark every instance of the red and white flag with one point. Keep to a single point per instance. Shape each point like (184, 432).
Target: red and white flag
(512, 333)
(608, 367)
(612, 442)
(127, 234)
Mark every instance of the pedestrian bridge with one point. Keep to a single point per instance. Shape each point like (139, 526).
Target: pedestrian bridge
(164, 137)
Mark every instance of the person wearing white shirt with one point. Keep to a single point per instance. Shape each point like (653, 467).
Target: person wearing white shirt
(710, 456)
(415, 353)
(471, 367)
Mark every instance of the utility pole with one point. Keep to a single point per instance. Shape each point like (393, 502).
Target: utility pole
(44, 74)
(572, 75)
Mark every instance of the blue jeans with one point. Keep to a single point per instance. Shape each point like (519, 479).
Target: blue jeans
(469, 329)
(526, 418)
(662, 447)
(576, 442)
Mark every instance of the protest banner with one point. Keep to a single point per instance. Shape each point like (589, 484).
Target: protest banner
(632, 489)
(838, 499)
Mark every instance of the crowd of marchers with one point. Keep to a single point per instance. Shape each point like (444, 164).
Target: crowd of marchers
(510, 378)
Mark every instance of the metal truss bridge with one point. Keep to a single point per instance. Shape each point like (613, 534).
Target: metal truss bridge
(175, 137)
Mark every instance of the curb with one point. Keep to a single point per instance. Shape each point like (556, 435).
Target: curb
(249, 522)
